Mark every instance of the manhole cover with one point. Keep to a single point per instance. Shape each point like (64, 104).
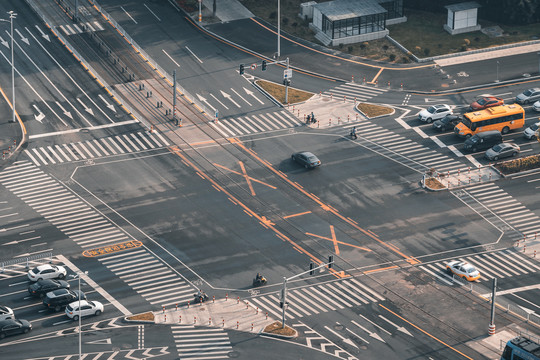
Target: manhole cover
(233, 354)
(339, 327)
(84, 130)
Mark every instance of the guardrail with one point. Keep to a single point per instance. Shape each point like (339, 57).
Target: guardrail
(161, 72)
(12, 262)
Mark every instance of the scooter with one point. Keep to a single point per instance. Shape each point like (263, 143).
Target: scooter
(259, 281)
(200, 297)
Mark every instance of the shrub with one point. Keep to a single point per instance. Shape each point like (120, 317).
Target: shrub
(467, 42)
(463, 47)
(405, 60)
(272, 15)
(426, 51)
(350, 49)
(362, 46)
(392, 57)
(366, 44)
(294, 24)
(417, 48)
(285, 21)
(517, 165)
(341, 46)
(477, 39)
(385, 48)
(439, 46)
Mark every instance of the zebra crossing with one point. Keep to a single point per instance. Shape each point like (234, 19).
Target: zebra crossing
(356, 91)
(149, 277)
(507, 208)
(201, 343)
(79, 28)
(96, 148)
(53, 201)
(499, 264)
(250, 124)
(403, 150)
(315, 299)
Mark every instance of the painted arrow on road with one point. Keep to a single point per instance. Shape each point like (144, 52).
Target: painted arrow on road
(110, 106)
(222, 104)
(20, 241)
(39, 117)
(67, 113)
(428, 100)
(204, 100)
(45, 36)
(345, 340)
(250, 93)
(24, 39)
(399, 328)
(4, 42)
(228, 97)
(370, 333)
(240, 96)
(86, 108)
(106, 341)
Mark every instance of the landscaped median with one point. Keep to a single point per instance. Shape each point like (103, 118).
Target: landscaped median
(147, 317)
(518, 165)
(276, 329)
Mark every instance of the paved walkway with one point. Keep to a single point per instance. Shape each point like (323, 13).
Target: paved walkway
(492, 54)
(228, 10)
(223, 313)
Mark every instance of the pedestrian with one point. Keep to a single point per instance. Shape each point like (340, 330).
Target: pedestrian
(353, 133)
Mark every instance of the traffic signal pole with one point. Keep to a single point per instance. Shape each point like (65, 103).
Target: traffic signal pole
(287, 85)
(284, 290)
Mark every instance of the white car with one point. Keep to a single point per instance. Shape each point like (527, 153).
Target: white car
(536, 106)
(88, 308)
(531, 131)
(463, 269)
(6, 313)
(434, 112)
(47, 272)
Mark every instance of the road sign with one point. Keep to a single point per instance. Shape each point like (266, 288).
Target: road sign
(287, 74)
(253, 66)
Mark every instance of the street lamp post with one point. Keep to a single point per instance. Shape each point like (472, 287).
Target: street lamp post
(79, 308)
(497, 71)
(278, 30)
(12, 15)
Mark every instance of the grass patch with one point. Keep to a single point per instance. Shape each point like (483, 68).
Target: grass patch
(517, 165)
(149, 316)
(278, 92)
(276, 328)
(424, 36)
(372, 110)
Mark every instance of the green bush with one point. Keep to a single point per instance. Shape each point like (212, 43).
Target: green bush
(518, 165)
(392, 57)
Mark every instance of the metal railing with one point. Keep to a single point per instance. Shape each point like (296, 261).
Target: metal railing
(7, 264)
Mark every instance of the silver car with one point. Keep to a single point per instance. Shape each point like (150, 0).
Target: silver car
(531, 131)
(528, 96)
(434, 112)
(502, 150)
(6, 313)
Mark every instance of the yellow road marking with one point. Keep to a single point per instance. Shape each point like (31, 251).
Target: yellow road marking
(112, 248)
(299, 214)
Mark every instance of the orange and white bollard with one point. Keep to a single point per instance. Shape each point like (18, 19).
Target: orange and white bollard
(352, 78)
(194, 319)
(491, 330)
(237, 324)
(180, 319)
(251, 326)
(524, 247)
(257, 310)
(163, 309)
(209, 321)
(247, 305)
(188, 304)
(226, 296)
(165, 317)
(238, 299)
(213, 299)
(534, 255)
(331, 96)
(344, 98)
(223, 322)
(267, 313)
(176, 307)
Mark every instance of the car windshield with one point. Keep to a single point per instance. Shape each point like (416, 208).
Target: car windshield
(528, 93)
(474, 139)
(465, 121)
(498, 148)
(534, 127)
(431, 109)
(482, 101)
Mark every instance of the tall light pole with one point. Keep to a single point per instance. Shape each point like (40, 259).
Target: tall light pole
(80, 330)
(12, 15)
(278, 30)
(497, 71)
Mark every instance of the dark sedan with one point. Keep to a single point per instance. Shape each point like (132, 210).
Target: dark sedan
(14, 327)
(446, 123)
(306, 159)
(41, 287)
(58, 299)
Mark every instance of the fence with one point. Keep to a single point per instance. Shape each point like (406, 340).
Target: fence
(13, 262)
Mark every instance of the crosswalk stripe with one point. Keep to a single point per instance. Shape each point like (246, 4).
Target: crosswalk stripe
(339, 284)
(131, 142)
(246, 124)
(169, 276)
(79, 30)
(105, 144)
(68, 149)
(491, 257)
(87, 24)
(55, 154)
(119, 258)
(222, 128)
(272, 305)
(510, 262)
(480, 263)
(138, 141)
(521, 259)
(344, 296)
(59, 149)
(111, 140)
(254, 123)
(129, 263)
(324, 298)
(79, 151)
(296, 297)
(162, 138)
(374, 293)
(101, 147)
(310, 299)
(264, 123)
(141, 135)
(39, 156)
(218, 129)
(31, 157)
(150, 286)
(232, 123)
(127, 148)
(289, 309)
(262, 305)
(436, 273)
(81, 145)
(91, 146)
(324, 289)
(277, 121)
(290, 121)
(98, 25)
(530, 220)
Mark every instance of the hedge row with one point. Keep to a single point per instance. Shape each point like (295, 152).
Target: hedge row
(517, 165)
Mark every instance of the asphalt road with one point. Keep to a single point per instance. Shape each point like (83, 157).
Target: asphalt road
(152, 216)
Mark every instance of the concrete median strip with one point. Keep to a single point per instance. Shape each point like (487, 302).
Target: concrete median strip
(223, 313)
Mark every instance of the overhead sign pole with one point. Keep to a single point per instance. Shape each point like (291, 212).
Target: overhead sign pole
(287, 83)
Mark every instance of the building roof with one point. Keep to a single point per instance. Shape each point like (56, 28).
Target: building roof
(463, 6)
(346, 9)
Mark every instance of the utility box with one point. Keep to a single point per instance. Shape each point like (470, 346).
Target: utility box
(462, 18)
(306, 10)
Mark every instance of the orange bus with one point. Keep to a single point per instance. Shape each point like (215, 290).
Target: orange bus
(503, 118)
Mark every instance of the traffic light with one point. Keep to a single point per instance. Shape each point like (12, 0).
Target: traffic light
(311, 266)
(241, 69)
(286, 82)
(264, 65)
(330, 261)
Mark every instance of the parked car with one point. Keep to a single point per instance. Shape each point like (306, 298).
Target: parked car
(485, 102)
(536, 106)
(463, 269)
(531, 131)
(41, 287)
(502, 150)
(306, 159)
(6, 313)
(434, 112)
(60, 298)
(47, 271)
(13, 327)
(483, 140)
(87, 308)
(528, 96)
(447, 122)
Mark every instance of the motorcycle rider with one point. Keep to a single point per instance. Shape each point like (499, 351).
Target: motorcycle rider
(260, 279)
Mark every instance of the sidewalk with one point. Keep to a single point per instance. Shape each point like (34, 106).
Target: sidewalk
(232, 314)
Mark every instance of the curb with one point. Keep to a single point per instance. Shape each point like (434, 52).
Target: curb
(277, 336)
